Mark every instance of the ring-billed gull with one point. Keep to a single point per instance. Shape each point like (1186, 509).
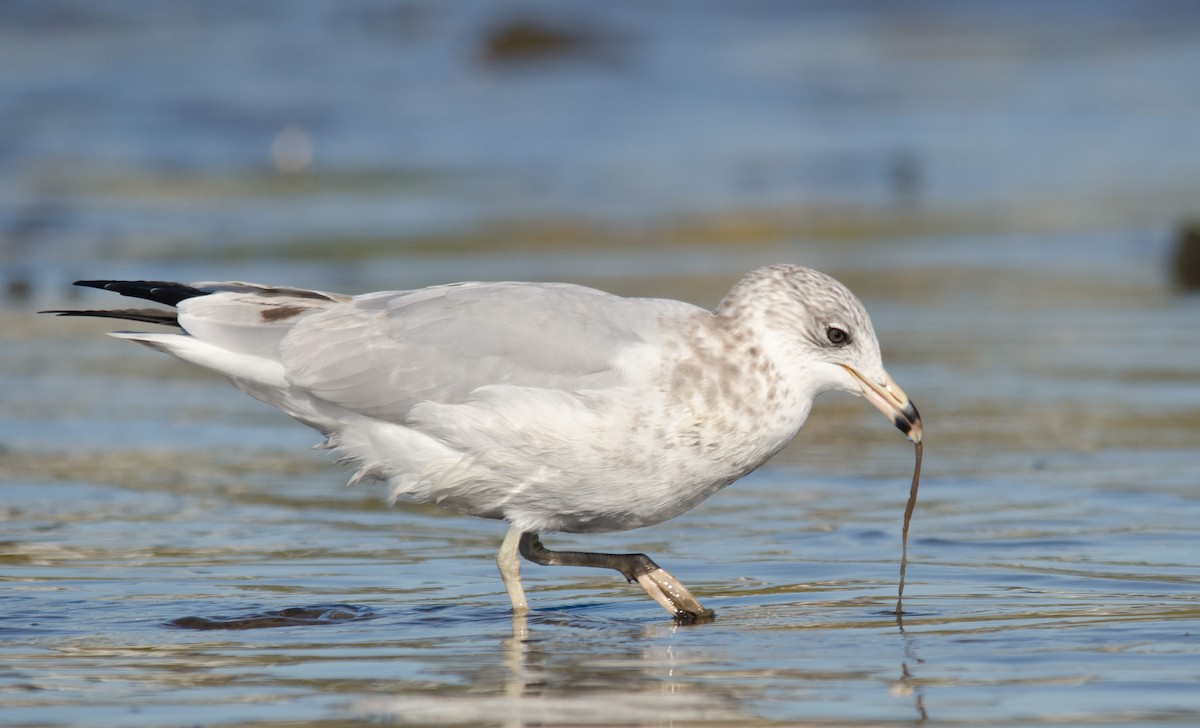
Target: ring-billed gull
(553, 407)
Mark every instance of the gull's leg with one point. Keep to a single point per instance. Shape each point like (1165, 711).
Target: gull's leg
(664, 588)
(510, 570)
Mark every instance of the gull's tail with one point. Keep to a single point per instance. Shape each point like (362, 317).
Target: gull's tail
(230, 327)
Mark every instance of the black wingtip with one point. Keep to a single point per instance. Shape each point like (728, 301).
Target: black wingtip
(142, 315)
(165, 292)
(93, 284)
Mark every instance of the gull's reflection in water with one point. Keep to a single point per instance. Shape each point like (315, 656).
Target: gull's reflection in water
(632, 685)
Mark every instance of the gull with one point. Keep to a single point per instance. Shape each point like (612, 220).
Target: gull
(550, 406)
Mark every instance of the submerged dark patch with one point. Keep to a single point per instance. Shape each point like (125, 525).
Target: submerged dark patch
(287, 617)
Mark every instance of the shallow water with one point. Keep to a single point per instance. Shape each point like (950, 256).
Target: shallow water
(172, 554)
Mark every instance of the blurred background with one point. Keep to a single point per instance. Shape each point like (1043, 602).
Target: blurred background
(1013, 189)
(366, 137)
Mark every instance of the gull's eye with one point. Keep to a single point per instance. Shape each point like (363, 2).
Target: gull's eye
(837, 336)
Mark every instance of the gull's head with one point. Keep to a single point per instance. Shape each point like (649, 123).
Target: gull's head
(826, 331)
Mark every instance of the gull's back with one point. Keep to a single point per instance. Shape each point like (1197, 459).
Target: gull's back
(382, 353)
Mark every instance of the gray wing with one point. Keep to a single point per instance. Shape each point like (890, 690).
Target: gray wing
(380, 354)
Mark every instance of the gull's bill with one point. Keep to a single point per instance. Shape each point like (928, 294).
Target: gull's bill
(889, 399)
